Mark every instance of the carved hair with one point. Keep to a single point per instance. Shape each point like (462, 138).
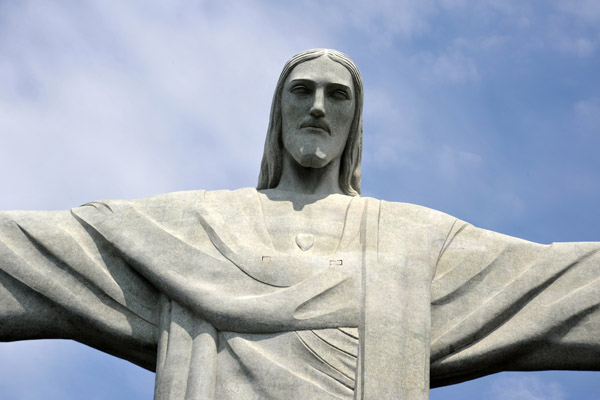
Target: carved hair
(272, 162)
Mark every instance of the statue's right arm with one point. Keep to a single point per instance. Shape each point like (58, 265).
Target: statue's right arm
(57, 280)
(26, 312)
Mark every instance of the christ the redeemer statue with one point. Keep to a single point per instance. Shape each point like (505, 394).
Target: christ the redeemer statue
(299, 289)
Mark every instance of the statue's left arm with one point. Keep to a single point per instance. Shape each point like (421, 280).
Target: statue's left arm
(504, 304)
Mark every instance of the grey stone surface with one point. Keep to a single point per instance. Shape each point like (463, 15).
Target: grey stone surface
(301, 289)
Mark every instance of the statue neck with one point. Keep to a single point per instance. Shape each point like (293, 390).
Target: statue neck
(311, 181)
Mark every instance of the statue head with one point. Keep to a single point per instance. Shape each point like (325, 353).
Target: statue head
(350, 174)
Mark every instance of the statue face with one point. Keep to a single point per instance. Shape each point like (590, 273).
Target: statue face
(317, 106)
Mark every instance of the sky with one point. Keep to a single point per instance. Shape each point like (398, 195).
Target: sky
(486, 110)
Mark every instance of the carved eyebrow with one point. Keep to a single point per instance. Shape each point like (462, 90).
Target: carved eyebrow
(333, 85)
(304, 81)
(341, 86)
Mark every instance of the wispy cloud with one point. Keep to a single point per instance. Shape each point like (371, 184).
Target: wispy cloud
(42, 369)
(455, 162)
(450, 67)
(578, 46)
(587, 114)
(114, 93)
(585, 10)
(525, 387)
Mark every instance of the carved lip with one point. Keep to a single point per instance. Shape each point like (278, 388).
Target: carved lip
(316, 124)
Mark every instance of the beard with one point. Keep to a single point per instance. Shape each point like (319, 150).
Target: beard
(311, 148)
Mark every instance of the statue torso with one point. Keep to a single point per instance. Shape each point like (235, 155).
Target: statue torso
(317, 363)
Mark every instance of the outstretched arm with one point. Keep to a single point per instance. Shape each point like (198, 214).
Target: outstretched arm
(58, 280)
(500, 303)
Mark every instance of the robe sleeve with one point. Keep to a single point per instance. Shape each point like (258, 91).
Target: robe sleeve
(504, 304)
(58, 279)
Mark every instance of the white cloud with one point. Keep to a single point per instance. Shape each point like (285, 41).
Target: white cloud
(525, 387)
(391, 17)
(449, 67)
(481, 43)
(382, 21)
(45, 369)
(588, 109)
(114, 90)
(395, 139)
(455, 163)
(578, 46)
(587, 116)
(585, 10)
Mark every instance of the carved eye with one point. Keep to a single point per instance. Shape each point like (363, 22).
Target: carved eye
(299, 89)
(339, 94)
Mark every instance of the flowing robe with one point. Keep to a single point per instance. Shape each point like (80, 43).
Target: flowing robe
(189, 285)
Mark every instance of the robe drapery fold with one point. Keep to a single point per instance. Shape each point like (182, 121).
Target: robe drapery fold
(171, 284)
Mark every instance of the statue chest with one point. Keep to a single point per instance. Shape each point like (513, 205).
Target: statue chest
(313, 229)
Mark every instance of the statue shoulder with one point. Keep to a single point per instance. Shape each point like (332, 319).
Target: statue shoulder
(152, 204)
(407, 214)
(175, 205)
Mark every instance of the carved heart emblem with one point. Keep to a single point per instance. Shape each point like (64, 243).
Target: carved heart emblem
(305, 241)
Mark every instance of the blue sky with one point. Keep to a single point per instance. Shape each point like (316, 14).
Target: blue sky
(487, 110)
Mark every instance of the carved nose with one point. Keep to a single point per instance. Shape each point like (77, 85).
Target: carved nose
(318, 108)
(317, 112)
